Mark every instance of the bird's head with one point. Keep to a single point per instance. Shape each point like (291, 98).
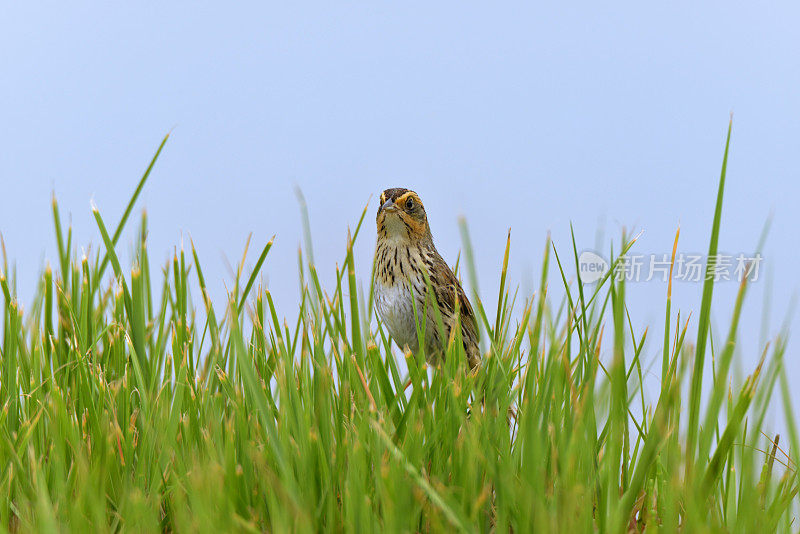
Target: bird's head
(401, 215)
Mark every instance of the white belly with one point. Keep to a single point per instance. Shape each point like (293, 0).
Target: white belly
(396, 310)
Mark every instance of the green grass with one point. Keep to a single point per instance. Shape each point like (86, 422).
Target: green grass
(124, 407)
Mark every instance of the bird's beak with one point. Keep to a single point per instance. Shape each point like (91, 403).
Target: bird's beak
(389, 206)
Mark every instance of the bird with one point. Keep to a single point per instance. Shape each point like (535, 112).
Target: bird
(406, 261)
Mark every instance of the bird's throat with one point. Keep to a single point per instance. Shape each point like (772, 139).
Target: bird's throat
(396, 229)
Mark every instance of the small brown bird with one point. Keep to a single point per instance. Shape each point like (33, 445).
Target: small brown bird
(404, 255)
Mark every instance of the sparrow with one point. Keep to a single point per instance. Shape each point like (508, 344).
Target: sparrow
(406, 261)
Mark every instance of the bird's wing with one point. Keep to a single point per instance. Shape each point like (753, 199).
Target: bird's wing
(449, 291)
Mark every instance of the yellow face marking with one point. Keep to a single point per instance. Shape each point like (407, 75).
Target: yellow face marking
(383, 198)
(401, 200)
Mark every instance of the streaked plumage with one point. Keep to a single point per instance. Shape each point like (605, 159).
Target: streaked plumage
(404, 254)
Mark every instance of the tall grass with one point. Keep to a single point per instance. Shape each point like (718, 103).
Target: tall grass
(124, 407)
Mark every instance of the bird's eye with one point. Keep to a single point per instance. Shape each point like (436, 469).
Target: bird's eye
(410, 204)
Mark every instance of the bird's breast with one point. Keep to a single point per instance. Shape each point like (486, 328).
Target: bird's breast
(399, 287)
(395, 306)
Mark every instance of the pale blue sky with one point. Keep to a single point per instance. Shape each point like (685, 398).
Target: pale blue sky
(512, 115)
